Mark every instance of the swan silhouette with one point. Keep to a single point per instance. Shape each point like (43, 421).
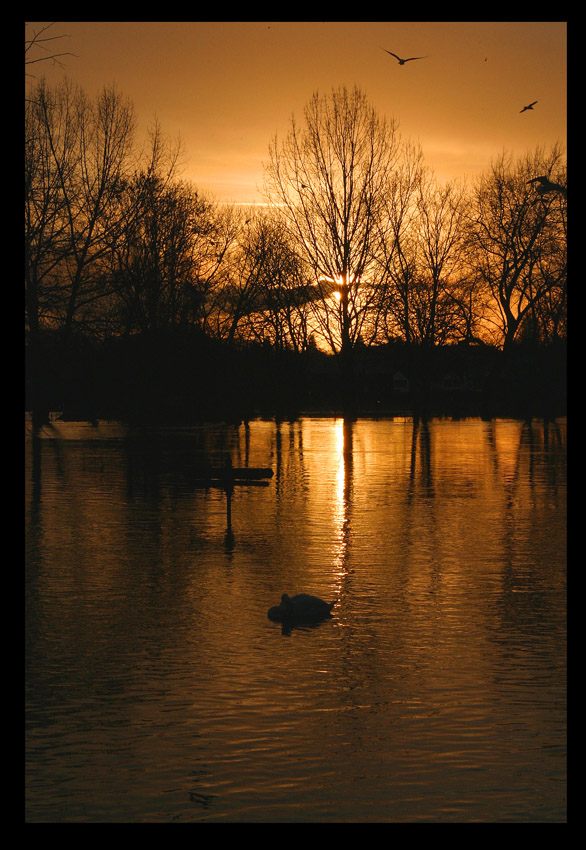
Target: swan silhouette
(546, 185)
(530, 106)
(301, 608)
(402, 61)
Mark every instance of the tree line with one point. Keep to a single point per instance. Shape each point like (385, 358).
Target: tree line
(357, 247)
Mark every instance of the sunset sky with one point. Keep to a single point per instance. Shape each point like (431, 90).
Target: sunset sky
(227, 87)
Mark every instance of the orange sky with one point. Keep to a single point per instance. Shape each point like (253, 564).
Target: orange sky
(227, 87)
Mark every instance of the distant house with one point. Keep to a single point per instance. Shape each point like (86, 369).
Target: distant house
(454, 382)
(400, 382)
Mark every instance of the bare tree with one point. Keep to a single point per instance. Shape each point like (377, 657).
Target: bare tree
(329, 181)
(46, 234)
(50, 157)
(154, 261)
(278, 293)
(244, 263)
(517, 238)
(215, 261)
(394, 316)
(441, 210)
(78, 159)
(40, 41)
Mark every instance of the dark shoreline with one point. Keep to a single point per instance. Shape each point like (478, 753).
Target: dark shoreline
(185, 381)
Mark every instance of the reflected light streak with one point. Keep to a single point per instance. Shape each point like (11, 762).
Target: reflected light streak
(341, 504)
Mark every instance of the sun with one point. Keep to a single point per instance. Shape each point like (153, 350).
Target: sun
(337, 284)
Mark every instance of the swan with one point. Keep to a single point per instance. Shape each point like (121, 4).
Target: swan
(300, 608)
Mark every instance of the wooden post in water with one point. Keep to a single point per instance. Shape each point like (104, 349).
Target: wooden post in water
(227, 476)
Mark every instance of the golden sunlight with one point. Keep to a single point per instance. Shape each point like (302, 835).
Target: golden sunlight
(341, 518)
(338, 284)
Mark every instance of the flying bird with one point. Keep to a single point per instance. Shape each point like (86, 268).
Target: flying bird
(402, 61)
(531, 105)
(546, 185)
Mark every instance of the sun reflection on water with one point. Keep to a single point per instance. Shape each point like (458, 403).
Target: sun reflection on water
(343, 443)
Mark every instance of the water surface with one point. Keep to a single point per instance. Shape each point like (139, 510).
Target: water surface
(157, 690)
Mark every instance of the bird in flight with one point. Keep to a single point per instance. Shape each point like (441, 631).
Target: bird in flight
(531, 105)
(402, 61)
(546, 185)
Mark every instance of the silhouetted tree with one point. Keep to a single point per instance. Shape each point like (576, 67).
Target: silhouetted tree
(517, 241)
(154, 262)
(241, 292)
(329, 181)
(429, 294)
(39, 44)
(214, 251)
(390, 317)
(47, 158)
(441, 210)
(273, 293)
(285, 292)
(77, 161)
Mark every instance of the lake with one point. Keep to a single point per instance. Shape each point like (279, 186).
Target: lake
(158, 691)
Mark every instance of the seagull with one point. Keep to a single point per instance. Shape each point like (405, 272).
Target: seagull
(531, 105)
(402, 61)
(546, 185)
